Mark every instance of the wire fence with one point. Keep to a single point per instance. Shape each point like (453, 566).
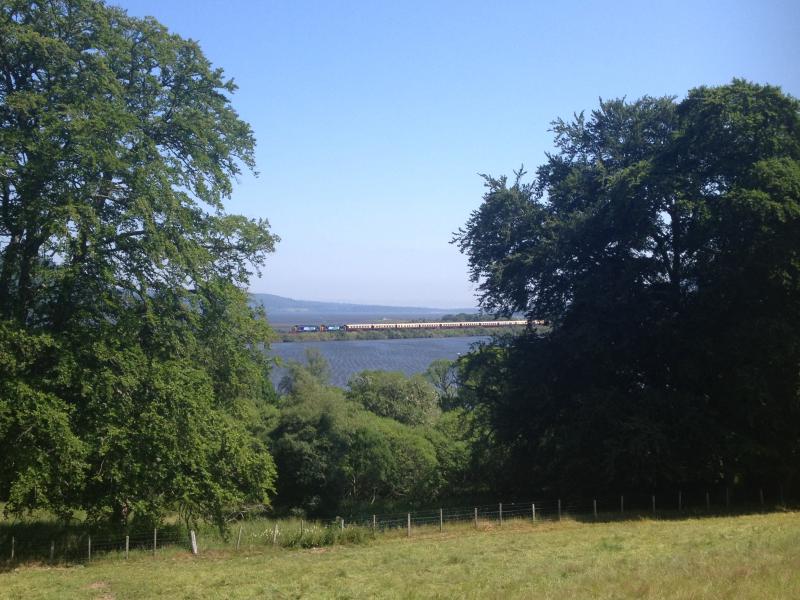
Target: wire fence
(603, 507)
(20, 543)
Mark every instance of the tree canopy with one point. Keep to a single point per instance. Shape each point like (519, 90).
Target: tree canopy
(660, 241)
(411, 400)
(133, 369)
(370, 446)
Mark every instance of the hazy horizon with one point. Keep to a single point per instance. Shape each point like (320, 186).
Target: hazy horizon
(356, 302)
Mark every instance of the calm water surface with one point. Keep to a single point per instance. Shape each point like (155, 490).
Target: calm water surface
(349, 357)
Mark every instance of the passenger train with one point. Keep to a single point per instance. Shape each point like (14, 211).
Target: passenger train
(424, 325)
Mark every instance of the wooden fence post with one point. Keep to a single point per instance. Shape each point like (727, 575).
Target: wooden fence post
(52, 550)
(441, 521)
(342, 524)
(13, 546)
(501, 514)
(533, 513)
(476, 524)
(127, 546)
(374, 524)
(90, 548)
(155, 540)
(408, 522)
(559, 509)
(594, 506)
(275, 532)
(194, 541)
(239, 537)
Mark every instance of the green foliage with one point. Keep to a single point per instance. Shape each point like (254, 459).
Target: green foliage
(333, 453)
(135, 377)
(660, 241)
(410, 400)
(442, 374)
(317, 366)
(44, 462)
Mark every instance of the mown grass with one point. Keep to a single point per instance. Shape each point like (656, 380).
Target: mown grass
(751, 556)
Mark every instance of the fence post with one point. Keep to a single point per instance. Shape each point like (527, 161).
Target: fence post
(680, 500)
(559, 509)
(533, 513)
(155, 540)
(52, 550)
(374, 524)
(408, 522)
(708, 501)
(622, 504)
(594, 506)
(501, 514)
(342, 524)
(275, 532)
(476, 521)
(90, 548)
(194, 541)
(239, 537)
(127, 545)
(654, 504)
(14, 544)
(441, 521)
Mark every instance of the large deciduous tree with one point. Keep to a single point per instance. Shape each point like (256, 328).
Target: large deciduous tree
(132, 365)
(662, 242)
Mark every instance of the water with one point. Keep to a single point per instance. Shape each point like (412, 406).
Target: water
(350, 357)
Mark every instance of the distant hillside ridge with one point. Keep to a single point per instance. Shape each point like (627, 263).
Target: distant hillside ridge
(280, 305)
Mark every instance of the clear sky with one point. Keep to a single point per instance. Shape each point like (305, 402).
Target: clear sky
(374, 118)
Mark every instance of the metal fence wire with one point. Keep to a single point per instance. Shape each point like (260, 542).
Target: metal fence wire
(27, 543)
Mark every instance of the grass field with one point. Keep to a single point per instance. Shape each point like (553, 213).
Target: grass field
(751, 556)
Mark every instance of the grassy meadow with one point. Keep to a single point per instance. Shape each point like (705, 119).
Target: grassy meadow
(750, 556)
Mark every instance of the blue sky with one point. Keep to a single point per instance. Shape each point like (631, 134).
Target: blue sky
(373, 119)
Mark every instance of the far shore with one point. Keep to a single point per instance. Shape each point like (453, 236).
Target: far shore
(393, 334)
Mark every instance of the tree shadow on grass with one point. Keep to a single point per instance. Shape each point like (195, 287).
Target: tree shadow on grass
(52, 543)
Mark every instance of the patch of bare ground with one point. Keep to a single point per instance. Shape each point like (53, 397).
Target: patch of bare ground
(101, 587)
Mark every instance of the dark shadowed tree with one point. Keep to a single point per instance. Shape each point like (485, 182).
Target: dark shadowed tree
(660, 241)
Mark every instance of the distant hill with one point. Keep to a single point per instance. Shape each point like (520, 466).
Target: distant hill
(282, 309)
